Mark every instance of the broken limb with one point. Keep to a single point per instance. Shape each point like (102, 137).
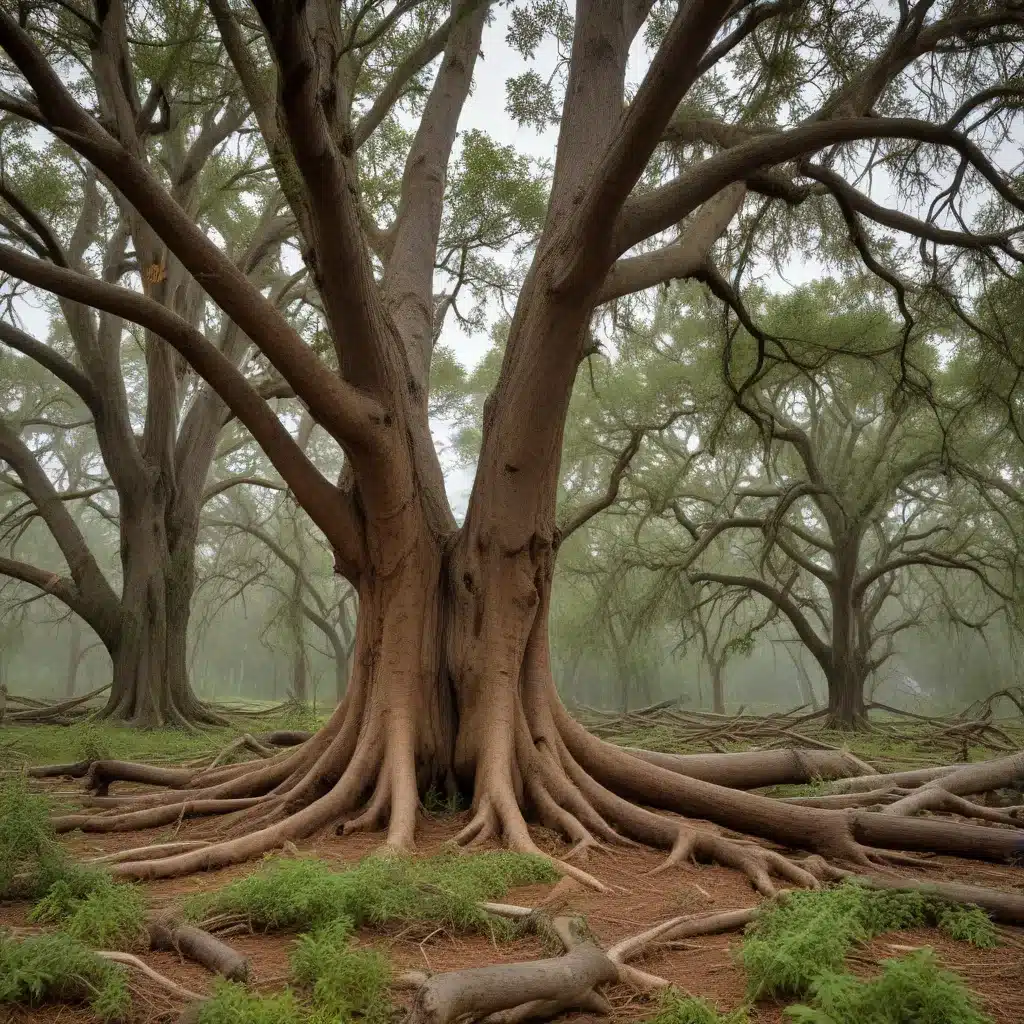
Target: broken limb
(545, 986)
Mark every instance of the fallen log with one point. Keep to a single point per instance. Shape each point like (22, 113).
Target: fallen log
(212, 953)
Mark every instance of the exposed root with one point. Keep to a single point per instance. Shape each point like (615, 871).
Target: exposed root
(520, 991)
(1001, 773)
(130, 960)
(146, 852)
(757, 863)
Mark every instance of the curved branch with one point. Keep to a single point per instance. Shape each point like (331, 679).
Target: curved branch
(317, 495)
(646, 215)
(64, 590)
(351, 416)
(782, 601)
(50, 360)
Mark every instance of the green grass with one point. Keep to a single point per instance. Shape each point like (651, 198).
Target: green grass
(57, 968)
(94, 909)
(343, 980)
(808, 934)
(30, 856)
(446, 891)
(910, 990)
(677, 1008)
(235, 1004)
(53, 744)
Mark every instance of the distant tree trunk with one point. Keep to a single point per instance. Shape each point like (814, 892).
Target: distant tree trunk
(846, 672)
(846, 707)
(300, 667)
(805, 686)
(74, 656)
(717, 667)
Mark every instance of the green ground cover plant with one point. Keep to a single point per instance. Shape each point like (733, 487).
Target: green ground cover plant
(445, 890)
(57, 968)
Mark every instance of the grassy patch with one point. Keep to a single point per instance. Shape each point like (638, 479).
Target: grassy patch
(677, 1008)
(913, 988)
(445, 891)
(57, 968)
(94, 909)
(343, 981)
(30, 856)
(808, 934)
(235, 1004)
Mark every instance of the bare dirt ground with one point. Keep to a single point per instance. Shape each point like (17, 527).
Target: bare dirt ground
(705, 966)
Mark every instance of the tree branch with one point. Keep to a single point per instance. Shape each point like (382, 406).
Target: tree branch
(350, 416)
(646, 215)
(316, 494)
(60, 367)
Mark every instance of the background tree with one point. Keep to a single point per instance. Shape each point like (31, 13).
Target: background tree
(451, 667)
(822, 491)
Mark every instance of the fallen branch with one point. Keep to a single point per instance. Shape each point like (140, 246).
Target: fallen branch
(198, 945)
(130, 960)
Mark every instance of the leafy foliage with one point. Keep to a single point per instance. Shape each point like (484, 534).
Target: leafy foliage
(58, 968)
(444, 890)
(235, 1004)
(343, 980)
(808, 935)
(94, 909)
(30, 857)
(677, 1008)
(913, 988)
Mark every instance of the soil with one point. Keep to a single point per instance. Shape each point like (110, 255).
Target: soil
(706, 966)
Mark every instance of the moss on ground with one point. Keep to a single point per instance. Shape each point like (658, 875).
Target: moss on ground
(910, 990)
(94, 909)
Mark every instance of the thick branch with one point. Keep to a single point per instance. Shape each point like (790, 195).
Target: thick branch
(349, 415)
(317, 495)
(658, 210)
(60, 367)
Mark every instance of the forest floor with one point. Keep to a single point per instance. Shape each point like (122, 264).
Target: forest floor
(707, 966)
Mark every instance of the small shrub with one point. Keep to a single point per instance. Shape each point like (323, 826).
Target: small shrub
(677, 1008)
(91, 907)
(809, 933)
(30, 856)
(57, 968)
(342, 979)
(913, 988)
(446, 890)
(90, 742)
(235, 1004)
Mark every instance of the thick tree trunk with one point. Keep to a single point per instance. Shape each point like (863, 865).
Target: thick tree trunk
(150, 665)
(846, 707)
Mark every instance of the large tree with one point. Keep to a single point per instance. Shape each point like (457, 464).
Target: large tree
(451, 678)
(151, 426)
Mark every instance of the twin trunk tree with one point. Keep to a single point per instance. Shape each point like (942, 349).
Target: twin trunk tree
(451, 681)
(158, 473)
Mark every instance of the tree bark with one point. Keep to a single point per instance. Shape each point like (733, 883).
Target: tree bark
(74, 657)
(150, 655)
